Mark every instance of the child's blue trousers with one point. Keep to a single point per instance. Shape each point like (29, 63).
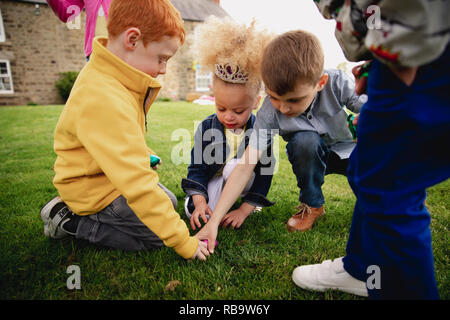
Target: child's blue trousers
(403, 148)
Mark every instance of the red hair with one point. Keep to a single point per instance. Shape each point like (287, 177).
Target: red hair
(154, 18)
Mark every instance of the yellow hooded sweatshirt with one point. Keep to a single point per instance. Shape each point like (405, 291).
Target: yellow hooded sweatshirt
(101, 149)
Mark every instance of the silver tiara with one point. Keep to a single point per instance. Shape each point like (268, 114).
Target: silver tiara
(229, 73)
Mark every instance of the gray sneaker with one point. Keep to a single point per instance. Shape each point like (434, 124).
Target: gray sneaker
(55, 214)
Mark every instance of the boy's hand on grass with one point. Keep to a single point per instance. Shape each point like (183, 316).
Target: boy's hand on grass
(202, 251)
(201, 209)
(234, 219)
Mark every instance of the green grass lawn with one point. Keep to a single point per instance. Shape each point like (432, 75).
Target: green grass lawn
(254, 262)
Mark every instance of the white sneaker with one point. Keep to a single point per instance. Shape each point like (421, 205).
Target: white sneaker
(328, 275)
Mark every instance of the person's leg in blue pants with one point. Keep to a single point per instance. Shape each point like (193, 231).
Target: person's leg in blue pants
(399, 154)
(311, 160)
(308, 155)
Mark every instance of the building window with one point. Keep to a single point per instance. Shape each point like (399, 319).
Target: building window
(6, 85)
(2, 29)
(203, 80)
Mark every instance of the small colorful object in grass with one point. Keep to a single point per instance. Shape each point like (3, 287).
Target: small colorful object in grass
(206, 241)
(154, 160)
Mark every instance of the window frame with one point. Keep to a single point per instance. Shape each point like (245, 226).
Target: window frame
(2, 29)
(202, 76)
(7, 75)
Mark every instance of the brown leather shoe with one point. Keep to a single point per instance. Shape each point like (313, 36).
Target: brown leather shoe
(304, 219)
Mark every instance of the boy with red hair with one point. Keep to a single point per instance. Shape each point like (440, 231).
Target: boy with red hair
(109, 195)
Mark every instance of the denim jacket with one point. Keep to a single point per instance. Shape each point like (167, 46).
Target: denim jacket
(208, 158)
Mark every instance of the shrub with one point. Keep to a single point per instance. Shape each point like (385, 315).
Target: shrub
(65, 84)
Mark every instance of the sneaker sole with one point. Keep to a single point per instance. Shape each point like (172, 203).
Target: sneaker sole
(50, 229)
(186, 211)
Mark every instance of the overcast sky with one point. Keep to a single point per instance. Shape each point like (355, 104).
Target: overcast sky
(283, 15)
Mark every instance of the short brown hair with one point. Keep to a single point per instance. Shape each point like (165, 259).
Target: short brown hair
(292, 57)
(154, 18)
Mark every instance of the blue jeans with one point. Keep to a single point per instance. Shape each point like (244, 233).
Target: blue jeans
(311, 160)
(118, 227)
(400, 152)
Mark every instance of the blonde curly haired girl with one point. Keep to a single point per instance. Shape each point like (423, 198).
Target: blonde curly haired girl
(233, 52)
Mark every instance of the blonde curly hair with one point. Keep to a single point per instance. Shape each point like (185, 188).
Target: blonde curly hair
(226, 42)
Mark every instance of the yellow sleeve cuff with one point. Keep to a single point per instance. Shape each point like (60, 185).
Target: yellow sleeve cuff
(188, 248)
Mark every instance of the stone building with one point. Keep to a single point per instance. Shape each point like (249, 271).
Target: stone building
(35, 47)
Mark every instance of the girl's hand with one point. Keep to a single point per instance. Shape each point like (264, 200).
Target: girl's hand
(234, 219)
(208, 232)
(201, 209)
